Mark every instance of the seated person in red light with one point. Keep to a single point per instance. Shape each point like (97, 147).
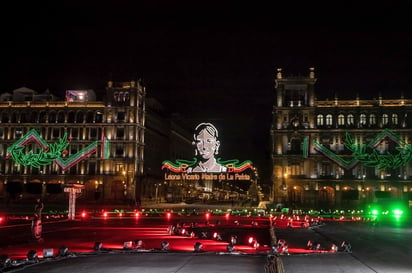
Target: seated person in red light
(206, 147)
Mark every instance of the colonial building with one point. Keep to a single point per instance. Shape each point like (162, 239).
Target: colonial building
(48, 143)
(338, 153)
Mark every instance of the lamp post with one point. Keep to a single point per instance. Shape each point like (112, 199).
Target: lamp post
(157, 185)
(363, 186)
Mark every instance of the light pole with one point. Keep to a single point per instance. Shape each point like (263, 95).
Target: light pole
(156, 192)
(363, 187)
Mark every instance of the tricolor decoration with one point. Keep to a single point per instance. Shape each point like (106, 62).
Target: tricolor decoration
(233, 165)
(49, 153)
(367, 153)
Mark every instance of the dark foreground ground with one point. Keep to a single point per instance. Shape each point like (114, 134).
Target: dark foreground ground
(375, 248)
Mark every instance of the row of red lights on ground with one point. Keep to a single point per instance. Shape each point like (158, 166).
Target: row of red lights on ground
(84, 214)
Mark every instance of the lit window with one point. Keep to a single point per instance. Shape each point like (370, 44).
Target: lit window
(329, 119)
(385, 119)
(341, 119)
(350, 119)
(395, 119)
(362, 119)
(372, 119)
(320, 120)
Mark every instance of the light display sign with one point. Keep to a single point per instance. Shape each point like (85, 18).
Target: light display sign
(51, 152)
(76, 95)
(367, 154)
(205, 164)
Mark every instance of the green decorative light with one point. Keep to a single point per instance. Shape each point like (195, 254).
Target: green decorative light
(377, 160)
(50, 153)
(373, 158)
(46, 155)
(305, 147)
(397, 212)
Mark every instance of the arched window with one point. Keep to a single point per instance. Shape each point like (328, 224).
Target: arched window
(319, 120)
(362, 119)
(14, 117)
(350, 119)
(385, 119)
(89, 117)
(25, 117)
(99, 117)
(71, 117)
(43, 117)
(341, 119)
(328, 119)
(80, 117)
(4, 118)
(52, 117)
(60, 117)
(395, 119)
(372, 119)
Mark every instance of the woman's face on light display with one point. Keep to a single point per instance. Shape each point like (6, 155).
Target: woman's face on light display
(206, 144)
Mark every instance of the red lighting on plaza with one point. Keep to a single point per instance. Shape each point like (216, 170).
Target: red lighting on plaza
(104, 214)
(168, 215)
(207, 215)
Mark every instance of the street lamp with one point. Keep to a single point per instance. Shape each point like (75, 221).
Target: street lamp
(284, 186)
(157, 191)
(363, 186)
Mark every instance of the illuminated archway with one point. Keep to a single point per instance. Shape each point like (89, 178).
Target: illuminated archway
(92, 190)
(117, 190)
(326, 196)
(295, 195)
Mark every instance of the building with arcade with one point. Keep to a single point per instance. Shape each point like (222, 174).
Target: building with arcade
(48, 143)
(338, 153)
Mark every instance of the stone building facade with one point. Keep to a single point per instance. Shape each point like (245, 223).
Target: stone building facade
(338, 153)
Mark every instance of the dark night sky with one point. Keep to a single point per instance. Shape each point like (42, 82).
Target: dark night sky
(212, 62)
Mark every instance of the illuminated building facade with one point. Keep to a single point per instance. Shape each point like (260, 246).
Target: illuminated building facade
(117, 124)
(338, 153)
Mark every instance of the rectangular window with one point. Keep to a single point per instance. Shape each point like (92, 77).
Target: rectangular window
(120, 132)
(93, 133)
(120, 116)
(119, 150)
(75, 133)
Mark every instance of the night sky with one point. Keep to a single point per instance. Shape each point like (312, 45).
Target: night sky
(213, 62)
